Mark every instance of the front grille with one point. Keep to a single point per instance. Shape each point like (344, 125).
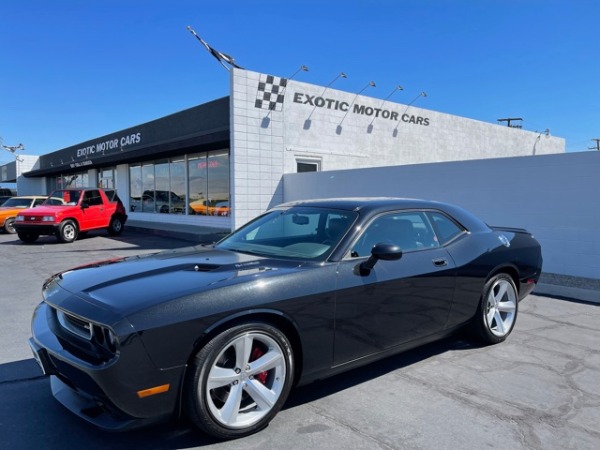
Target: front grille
(33, 219)
(77, 326)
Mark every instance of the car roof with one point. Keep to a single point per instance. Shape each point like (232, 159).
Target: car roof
(31, 197)
(377, 205)
(362, 203)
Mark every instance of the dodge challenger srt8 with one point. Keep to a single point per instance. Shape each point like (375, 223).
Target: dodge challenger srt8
(308, 289)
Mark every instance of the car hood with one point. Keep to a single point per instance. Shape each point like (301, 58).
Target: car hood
(125, 286)
(47, 210)
(7, 210)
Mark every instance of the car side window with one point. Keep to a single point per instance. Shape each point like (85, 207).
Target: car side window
(93, 198)
(446, 229)
(409, 230)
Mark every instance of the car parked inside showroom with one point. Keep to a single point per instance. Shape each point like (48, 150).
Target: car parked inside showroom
(158, 201)
(221, 333)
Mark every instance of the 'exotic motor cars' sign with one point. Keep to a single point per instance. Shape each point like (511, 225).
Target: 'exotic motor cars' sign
(356, 108)
(110, 144)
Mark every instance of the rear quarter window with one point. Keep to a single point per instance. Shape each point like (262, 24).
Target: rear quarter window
(446, 228)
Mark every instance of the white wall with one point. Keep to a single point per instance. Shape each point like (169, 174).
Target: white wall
(256, 150)
(554, 196)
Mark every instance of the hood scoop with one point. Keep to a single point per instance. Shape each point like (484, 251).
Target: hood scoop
(205, 267)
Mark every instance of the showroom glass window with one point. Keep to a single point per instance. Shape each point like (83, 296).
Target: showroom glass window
(106, 178)
(74, 180)
(147, 203)
(178, 184)
(193, 184)
(135, 187)
(209, 183)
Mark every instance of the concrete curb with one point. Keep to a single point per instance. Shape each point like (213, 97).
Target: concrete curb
(567, 292)
(191, 233)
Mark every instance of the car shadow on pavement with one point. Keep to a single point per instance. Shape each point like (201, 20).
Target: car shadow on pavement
(140, 242)
(31, 418)
(354, 377)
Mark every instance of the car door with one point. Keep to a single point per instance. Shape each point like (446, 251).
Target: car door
(397, 301)
(93, 215)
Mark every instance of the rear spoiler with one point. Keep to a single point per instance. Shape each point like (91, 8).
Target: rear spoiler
(510, 229)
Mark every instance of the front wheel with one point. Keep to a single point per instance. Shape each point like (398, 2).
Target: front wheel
(239, 381)
(9, 225)
(497, 312)
(115, 227)
(67, 231)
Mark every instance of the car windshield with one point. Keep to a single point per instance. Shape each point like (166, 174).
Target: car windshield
(17, 202)
(68, 196)
(305, 233)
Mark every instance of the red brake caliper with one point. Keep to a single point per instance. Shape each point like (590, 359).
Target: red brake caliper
(257, 353)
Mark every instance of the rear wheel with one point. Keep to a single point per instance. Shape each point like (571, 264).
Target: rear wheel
(28, 237)
(67, 231)
(497, 312)
(115, 227)
(239, 381)
(9, 225)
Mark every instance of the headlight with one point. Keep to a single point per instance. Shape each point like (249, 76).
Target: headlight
(48, 219)
(105, 338)
(20, 219)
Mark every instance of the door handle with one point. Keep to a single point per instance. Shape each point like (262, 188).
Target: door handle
(440, 262)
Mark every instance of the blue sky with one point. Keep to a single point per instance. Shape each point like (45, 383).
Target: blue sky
(73, 70)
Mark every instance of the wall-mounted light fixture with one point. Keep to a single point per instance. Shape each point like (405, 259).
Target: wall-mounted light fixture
(266, 121)
(338, 130)
(422, 94)
(397, 88)
(308, 122)
(302, 68)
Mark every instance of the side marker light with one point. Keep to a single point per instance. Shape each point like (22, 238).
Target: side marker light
(153, 391)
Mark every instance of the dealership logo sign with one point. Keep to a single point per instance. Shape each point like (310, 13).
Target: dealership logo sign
(271, 93)
(356, 108)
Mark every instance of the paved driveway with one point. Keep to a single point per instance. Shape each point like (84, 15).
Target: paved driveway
(538, 390)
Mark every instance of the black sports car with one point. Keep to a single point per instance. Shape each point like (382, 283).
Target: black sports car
(306, 290)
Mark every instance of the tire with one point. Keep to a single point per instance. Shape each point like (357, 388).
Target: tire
(28, 238)
(226, 395)
(497, 312)
(116, 225)
(9, 225)
(67, 231)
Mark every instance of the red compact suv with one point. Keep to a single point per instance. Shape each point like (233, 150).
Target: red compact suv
(82, 210)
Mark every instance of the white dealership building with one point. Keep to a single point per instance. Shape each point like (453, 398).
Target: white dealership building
(221, 163)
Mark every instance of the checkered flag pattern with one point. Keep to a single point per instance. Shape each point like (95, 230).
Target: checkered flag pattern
(270, 93)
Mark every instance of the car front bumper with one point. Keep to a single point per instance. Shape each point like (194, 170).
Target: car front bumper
(40, 229)
(105, 394)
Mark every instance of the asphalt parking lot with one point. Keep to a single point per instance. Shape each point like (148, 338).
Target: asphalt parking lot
(537, 390)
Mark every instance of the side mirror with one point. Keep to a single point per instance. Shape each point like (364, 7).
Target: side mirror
(385, 252)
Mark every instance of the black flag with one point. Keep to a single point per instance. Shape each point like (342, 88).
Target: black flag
(221, 57)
